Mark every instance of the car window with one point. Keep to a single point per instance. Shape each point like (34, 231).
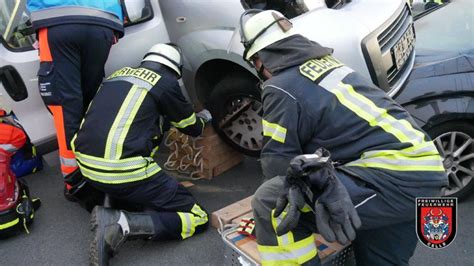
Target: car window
(15, 26)
(137, 11)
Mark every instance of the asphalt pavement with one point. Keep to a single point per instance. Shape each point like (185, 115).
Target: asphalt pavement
(60, 234)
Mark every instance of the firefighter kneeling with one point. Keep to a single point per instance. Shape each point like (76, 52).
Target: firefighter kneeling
(114, 148)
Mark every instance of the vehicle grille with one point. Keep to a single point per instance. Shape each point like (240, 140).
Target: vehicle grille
(389, 38)
(390, 35)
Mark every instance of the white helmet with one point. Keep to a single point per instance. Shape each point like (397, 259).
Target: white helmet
(168, 54)
(263, 29)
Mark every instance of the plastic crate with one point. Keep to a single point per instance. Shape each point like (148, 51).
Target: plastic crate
(233, 255)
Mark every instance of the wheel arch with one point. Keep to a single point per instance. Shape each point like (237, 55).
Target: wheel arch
(211, 72)
(448, 117)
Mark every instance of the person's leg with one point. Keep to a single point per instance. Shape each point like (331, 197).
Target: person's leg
(59, 81)
(175, 212)
(389, 245)
(297, 246)
(171, 213)
(95, 51)
(387, 235)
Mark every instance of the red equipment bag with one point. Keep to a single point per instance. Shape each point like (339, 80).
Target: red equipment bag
(16, 207)
(11, 138)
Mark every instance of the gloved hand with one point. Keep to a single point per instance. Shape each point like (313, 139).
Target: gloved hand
(336, 217)
(292, 194)
(205, 115)
(296, 191)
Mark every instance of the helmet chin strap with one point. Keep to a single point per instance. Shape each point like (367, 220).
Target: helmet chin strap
(260, 73)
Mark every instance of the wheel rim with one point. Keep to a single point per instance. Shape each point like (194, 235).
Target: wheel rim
(242, 122)
(457, 150)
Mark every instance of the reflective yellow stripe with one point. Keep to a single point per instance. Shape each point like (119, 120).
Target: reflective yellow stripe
(120, 178)
(425, 149)
(9, 224)
(292, 254)
(413, 164)
(187, 224)
(123, 121)
(274, 131)
(287, 238)
(202, 215)
(185, 122)
(418, 151)
(129, 121)
(189, 221)
(111, 165)
(154, 151)
(421, 156)
(367, 110)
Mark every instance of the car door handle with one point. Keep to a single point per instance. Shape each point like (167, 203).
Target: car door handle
(13, 83)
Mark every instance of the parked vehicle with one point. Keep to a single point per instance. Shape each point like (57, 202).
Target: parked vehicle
(215, 74)
(440, 91)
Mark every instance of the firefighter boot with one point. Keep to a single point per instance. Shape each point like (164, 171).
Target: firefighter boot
(112, 227)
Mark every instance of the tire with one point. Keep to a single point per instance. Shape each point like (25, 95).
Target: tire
(235, 104)
(459, 158)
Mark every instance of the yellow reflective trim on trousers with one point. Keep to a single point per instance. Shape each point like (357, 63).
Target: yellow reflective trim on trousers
(367, 110)
(292, 254)
(285, 239)
(189, 221)
(185, 122)
(202, 215)
(123, 121)
(120, 178)
(9, 224)
(187, 224)
(274, 131)
(129, 122)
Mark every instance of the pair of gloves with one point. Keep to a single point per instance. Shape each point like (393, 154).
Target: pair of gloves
(336, 217)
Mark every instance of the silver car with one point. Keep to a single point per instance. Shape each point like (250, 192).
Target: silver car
(379, 46)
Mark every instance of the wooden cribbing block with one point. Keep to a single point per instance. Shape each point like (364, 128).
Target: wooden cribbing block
(228, 213)
(217, 156)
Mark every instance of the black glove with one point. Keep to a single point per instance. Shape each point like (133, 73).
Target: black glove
(292, 194)
(336, 217)
(297, 190)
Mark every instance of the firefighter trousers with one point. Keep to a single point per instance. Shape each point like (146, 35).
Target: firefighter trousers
(387, 235)
(173, 209)
(72, 58)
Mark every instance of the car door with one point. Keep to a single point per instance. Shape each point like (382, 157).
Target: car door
(19, 61)
(18, 67)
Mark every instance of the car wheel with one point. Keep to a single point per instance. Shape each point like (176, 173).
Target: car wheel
(237, 112)
(455, 143)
